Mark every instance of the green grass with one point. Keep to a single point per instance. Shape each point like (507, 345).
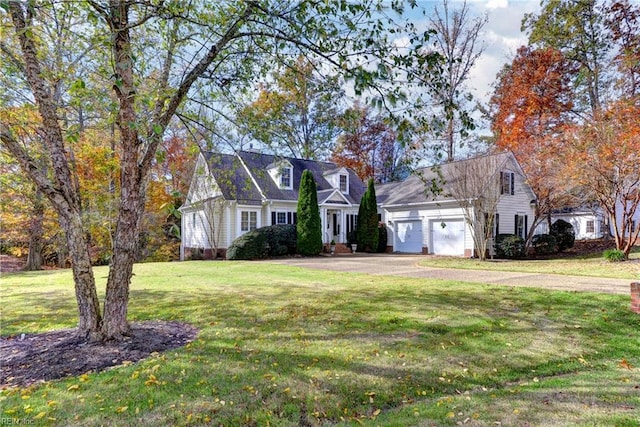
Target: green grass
(279, 344)
(591, 265)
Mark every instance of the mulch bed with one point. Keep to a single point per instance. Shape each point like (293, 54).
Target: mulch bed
(35, 358)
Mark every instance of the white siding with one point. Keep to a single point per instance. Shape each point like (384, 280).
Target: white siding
(579, 222)
(619, 210)
(203, 185)
(434, 214)
(517, 204)
(196, 229)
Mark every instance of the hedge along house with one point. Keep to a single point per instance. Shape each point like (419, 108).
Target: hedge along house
(231, 194)
(470, 195)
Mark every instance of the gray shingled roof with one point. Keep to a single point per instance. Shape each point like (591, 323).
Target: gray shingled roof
(415, 188)
(238, 184)
(232, 178)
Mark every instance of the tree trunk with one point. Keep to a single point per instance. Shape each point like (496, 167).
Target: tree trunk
(34, 258)
(88, 305)
(125, 245)
(115, 325)
(450, 140)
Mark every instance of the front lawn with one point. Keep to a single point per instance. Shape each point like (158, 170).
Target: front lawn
(287, 346)
(590, 265)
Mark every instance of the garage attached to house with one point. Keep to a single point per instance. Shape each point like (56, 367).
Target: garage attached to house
(447, 236)
(408, 236)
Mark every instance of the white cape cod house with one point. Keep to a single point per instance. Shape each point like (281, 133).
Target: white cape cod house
(231, 194)
(419, 222)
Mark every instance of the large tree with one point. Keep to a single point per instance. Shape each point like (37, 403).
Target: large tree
(296, 114)
(369, 146)
(367, 227)
(623, 21)
(576, 28)
(153, 59)
(457, 39)
(531, 107)
(603, 160)
(308, 226)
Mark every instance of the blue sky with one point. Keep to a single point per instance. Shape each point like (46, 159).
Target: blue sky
(501, 36)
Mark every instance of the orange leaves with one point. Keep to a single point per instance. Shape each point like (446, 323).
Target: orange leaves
(368, 146)
(624, 364)
(531, 106)
(532, 98)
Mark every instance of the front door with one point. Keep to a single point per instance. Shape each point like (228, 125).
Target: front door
(333, 225)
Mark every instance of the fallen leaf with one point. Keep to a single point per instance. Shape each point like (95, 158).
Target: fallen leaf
(625, 364)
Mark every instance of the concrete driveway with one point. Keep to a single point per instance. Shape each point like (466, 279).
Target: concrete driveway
(407, 266)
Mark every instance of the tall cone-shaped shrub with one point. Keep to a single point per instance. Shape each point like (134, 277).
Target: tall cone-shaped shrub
(308, 228)
(367, 230)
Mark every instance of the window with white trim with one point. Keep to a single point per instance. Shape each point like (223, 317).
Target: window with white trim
(285, 178)
(507, 183)
(591, 226)
(344, 183)
(248, 220)
(283, 217)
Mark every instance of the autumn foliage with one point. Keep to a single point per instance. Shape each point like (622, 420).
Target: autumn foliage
(603, 159)
(368, 146)
(532, 105)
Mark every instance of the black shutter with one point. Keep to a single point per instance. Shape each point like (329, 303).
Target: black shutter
(497, 224)
(295, 217)
(289, 218)
(501, 182)
(513, 175)
(515, 227)
(273, 218)
(526, 226)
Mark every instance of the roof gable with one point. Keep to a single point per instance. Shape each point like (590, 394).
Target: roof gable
(258, 164)
(415, 189)
(333, 196)
(232, 177)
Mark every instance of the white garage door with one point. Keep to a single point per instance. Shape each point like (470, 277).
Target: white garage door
(447, 237)
(409, 236)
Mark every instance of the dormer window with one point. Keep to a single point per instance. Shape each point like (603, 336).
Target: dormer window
(344, 183)
(285, 178)
(281, 173)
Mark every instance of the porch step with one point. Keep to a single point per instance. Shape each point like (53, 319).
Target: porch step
(341, 248)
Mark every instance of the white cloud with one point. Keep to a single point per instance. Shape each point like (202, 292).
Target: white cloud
(502, 37)
(497, 4)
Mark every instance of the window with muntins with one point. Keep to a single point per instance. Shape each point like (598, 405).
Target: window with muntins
(248, 220)
(507, 183)
(285, 178)
(521, 226)
(591, 226)
(284, 217)
(344, 183)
